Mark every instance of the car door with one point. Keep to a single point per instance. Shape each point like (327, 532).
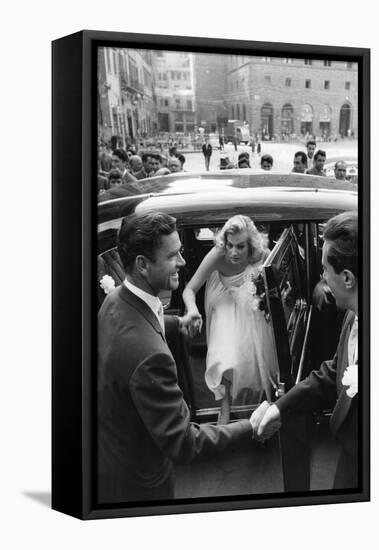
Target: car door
(288, 305)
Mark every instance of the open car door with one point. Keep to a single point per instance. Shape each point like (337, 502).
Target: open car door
(290, 313)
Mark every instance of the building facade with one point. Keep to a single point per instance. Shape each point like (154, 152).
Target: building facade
(175, 92)
(210, 76)
(282, 97)
(126, 97)
(142, 93)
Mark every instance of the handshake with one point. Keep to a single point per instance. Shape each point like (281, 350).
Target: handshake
(265, 421)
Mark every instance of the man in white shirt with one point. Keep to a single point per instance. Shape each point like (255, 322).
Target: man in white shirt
(143, 421)
(311, 148)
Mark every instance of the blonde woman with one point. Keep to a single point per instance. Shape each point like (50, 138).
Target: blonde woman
(241, 352)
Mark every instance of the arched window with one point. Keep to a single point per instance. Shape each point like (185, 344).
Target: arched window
(345, 120)
(325, 121)
(267, 121)
(306, 120)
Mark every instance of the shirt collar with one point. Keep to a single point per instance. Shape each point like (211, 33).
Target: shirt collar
(153, 302)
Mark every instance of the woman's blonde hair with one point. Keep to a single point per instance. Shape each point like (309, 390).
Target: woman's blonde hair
(257, 242)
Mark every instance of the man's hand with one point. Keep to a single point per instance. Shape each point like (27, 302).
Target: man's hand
(265, 421)
(257, 416)
(190, 324)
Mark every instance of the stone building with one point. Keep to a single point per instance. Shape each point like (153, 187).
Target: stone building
(126, 99)
(144, 92)
(283, 97)
(174, 91)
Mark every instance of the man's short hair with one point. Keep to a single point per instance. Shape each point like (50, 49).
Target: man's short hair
(140, 234)
(244, 154)
(340, 162)
(181, 158)
(319, 153)
(310, 142)
(267, 158)
(302, 155)
(121, 154)
(342, 233)
(174, 160)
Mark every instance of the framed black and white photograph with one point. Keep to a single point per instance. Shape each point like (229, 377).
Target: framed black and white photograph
(205, 342)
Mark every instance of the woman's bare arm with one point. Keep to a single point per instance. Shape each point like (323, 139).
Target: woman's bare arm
(209, 264)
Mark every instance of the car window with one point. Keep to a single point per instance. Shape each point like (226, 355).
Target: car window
(285, 295)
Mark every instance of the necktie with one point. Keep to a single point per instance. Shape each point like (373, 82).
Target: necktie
(161, 315)
(353, 343)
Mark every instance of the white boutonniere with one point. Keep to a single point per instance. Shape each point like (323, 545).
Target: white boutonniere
(107, 284)
(350, 380)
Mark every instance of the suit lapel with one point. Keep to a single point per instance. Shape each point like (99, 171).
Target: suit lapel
(142, 307)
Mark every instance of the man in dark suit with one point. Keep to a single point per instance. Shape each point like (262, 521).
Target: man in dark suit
(143, 421)
(207, 152)
(335, 384)
(120, 161)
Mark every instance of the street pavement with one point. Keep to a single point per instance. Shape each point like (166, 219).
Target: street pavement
(282, 154)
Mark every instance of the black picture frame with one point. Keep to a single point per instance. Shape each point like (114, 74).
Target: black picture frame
(74, 264)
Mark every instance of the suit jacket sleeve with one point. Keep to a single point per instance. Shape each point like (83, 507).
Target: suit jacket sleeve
(171, 323)
(320, 388)
(160, 404)
(316, 391)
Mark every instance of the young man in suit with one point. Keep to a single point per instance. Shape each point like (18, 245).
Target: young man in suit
(335, 384)
(318, 164)
(143, 421)
(299, 162)
(120, 161)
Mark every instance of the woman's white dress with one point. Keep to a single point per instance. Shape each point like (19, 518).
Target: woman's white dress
(238, 336)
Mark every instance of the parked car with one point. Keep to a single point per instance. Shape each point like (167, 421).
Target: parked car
(291, 209)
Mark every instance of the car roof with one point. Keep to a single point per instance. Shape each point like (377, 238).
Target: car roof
(200, 198)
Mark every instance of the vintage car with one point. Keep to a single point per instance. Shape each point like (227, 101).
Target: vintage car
(291, 209)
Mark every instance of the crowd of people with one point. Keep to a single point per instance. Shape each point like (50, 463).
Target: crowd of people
(125, 167)
(304, 162)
